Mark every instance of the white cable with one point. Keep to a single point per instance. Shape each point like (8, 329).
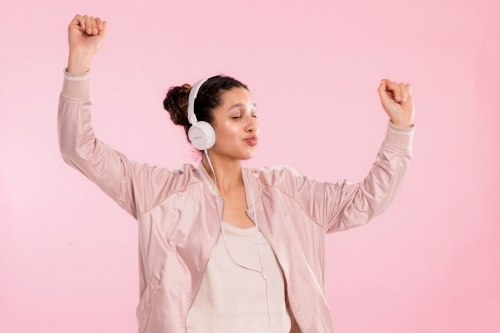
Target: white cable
(220, 217)
(260, 250)
(216, 193)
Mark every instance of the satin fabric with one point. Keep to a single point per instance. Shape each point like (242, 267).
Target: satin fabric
(177, 215)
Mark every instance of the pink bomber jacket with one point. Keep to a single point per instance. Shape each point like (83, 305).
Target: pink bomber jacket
(177, 215)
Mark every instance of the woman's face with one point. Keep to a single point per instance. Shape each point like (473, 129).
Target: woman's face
(236, 126)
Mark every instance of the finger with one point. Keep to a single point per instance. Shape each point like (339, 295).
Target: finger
(102, 32)
(408, 88)
(84, 24)
(390, 88)
(78, 21)
(98, 23)
(397, 91)
(388, 84)
(383, 86)
(384, 92)
(94, 25)
(88, 25)
(404, 93)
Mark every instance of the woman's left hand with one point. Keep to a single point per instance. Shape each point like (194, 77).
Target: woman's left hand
(397, 101)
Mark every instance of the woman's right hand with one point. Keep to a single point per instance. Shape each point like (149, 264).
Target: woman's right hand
(86, 34)
(85, 37)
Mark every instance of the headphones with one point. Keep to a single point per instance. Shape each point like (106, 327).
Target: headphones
(201, 134)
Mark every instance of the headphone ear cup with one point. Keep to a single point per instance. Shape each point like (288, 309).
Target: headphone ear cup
(202, 135)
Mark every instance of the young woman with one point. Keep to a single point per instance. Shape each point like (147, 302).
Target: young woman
(266, 273)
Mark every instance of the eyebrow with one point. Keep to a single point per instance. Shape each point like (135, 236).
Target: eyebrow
(240, 104)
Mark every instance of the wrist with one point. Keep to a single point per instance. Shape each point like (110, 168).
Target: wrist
(402, 124)
(79, 61)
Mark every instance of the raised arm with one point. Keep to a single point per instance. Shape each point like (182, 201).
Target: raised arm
(136, 187)
(344, 205)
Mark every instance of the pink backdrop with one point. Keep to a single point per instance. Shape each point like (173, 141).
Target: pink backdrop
(68, 253)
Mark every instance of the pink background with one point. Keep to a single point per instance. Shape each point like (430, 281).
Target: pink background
(68, 253)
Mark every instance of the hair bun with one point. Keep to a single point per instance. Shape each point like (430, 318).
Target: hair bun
(176, 104)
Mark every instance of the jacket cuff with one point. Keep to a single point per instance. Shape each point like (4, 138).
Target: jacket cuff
(398, 137)
(76, 85)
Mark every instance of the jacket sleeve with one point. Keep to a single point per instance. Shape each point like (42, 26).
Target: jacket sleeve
(343, 205)
(136, 187)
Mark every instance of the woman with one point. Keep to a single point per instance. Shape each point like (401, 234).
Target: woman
(192, 280)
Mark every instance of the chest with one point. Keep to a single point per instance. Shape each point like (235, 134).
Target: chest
(235, 209)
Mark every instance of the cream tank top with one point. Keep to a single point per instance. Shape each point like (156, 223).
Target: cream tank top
(232, 299)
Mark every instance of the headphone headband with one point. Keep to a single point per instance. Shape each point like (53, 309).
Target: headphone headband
(192, 96)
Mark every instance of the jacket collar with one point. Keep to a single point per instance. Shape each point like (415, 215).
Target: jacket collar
(250, 182)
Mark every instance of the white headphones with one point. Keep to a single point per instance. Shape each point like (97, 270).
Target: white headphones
(201, 134)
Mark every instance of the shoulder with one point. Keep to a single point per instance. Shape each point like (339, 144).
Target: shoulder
(282, 176)
(182, 169)
(179, 177)
(186, 172)
(279, 170)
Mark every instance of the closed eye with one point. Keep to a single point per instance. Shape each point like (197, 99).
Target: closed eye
(240, 117)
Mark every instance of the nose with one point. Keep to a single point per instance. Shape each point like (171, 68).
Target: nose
(252, 125)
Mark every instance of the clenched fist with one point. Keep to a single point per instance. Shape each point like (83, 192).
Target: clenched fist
(86, 33)
(397, 100)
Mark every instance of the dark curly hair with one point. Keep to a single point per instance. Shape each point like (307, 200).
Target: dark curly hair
(209, 98)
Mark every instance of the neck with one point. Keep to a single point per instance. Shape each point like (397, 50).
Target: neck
(227, 172)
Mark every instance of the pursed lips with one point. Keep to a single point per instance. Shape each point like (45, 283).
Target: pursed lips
(252, 141)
